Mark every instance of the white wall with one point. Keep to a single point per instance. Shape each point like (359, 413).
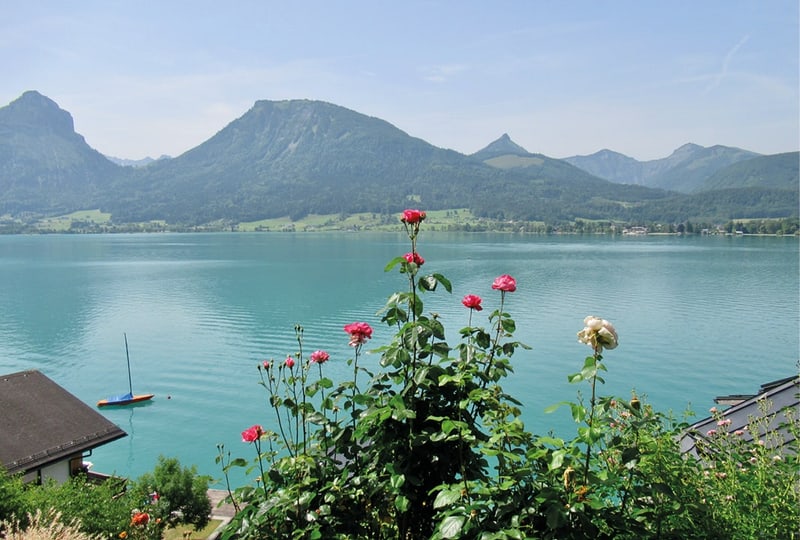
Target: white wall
(57, 471)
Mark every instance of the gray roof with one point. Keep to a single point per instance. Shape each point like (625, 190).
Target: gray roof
(781, 395)
(42, 423)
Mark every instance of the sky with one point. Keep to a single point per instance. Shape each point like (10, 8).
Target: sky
(561, 78)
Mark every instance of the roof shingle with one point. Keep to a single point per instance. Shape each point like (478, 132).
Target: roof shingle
(42, 423)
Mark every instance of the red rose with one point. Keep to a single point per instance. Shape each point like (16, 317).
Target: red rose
(415, 258)
(289, 362)
(472, 301)
(359, 332)
(505, 283)
(319, 357)
(252, 434)
(412, 216)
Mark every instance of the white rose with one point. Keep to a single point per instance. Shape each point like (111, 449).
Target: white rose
(598, 333)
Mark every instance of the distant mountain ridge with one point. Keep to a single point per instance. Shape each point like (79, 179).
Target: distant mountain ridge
(144, 162)
(775, 171)
(684, 170)
(297, 157)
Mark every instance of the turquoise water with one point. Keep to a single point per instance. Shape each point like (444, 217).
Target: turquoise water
(697, 317)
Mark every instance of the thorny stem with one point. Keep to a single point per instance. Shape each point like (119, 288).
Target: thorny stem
(495, 341)
(353, 401)
(413, 300)
(257, 444)
(272, 391)
(221, 449)
(324, 426)
(299, 334)
(497, 336)
(295, 433)
(597, 357)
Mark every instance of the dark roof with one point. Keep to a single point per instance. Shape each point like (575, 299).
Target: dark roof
(781, 395)
(42, 423)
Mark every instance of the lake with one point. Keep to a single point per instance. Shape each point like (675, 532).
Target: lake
(697, 317)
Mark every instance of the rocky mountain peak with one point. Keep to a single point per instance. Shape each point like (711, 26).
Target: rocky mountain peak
(33, 111)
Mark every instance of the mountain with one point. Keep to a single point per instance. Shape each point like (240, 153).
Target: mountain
(684, 170)
(45, 167)
(503, 146)
(505, 154)
(612, 166)
(135, 162)
(301, 157)
(781, 171)
(298, 157)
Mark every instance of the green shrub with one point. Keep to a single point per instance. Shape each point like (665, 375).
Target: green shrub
(108, 509)
(12, 500)
(174, 493)
(97, 508)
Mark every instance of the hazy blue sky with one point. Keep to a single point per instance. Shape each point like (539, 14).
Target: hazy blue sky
(145, 78)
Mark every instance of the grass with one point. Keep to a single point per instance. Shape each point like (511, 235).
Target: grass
(176, 533)
(64, 223)
(362, 221)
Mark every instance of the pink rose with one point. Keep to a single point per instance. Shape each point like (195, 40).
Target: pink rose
(412, 216)
(359, 332)
(252, 434)
(472, 301)
(319, 357)
(505, 283)
(289, 362)
(265, 363)
(414, 258)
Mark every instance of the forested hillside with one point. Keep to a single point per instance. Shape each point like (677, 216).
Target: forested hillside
(300, 157)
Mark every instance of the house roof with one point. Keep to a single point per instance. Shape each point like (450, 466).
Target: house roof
(42, 423)
(780, 395)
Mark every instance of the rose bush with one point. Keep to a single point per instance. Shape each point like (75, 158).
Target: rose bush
(428, 445)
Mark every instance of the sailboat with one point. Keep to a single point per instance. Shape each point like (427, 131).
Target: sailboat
(129, 398)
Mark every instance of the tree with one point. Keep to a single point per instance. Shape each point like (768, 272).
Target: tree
(176, 490)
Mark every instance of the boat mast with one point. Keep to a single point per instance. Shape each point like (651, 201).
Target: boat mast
(128, 358)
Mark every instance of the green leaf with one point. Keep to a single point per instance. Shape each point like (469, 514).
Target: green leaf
(509, 326)
(444, 281)
(397, 481)
(554, 407)
(578, 412)
(401, 503)
(441, 349)
(437, 329)
(447, 497)
(556, 460)
(558, 443)
(451, 526)
(394, 262)
(427, 283)
(575, 377)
